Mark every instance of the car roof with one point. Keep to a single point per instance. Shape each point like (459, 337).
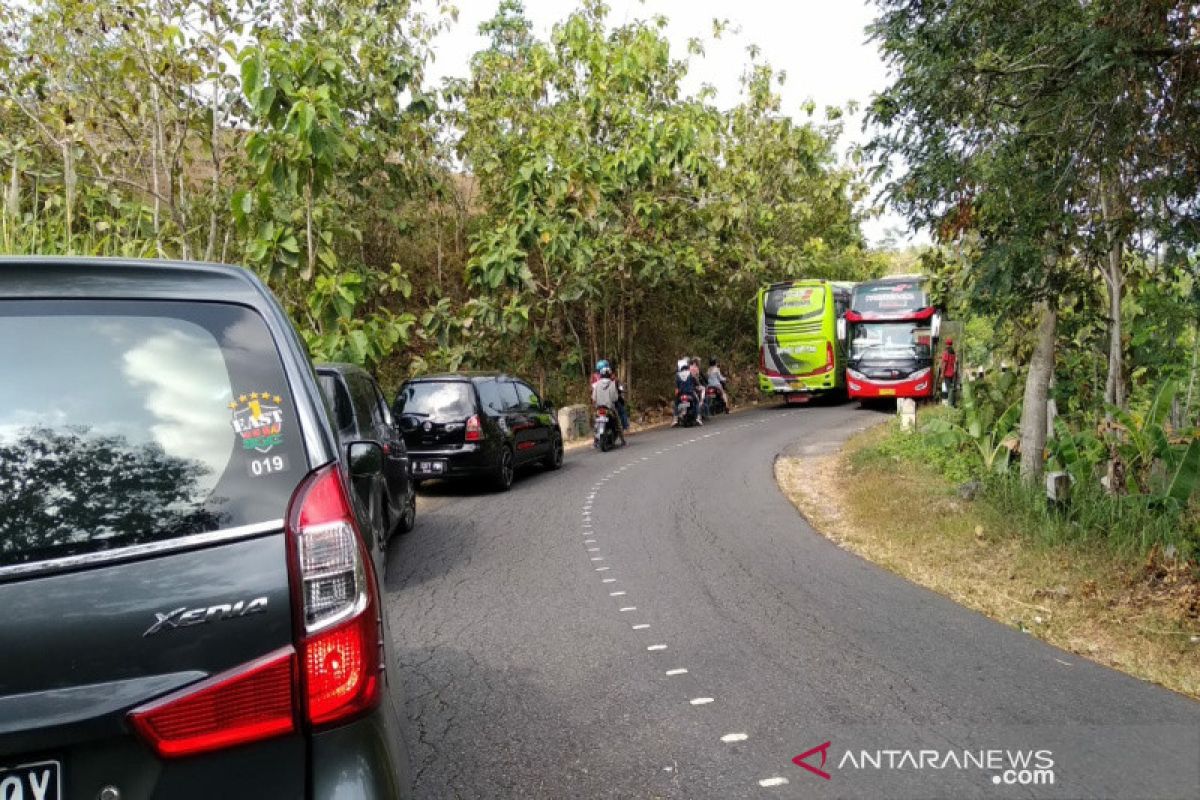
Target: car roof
(457, 376)
(96, 278)
(120, 278)
(342, 367)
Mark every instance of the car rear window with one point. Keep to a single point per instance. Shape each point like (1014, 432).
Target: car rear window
(335, 393)
(126, 423)
(489, 395)
(436, 400)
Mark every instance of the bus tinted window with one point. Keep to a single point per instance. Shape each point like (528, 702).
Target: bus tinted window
(890, 298)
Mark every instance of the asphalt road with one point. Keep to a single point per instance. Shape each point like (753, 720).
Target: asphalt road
(658, 621)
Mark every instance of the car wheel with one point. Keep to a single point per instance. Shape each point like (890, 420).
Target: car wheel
(505, 470)
(555, 459)
(408, 517)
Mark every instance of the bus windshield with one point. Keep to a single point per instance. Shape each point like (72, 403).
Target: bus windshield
(876, 340)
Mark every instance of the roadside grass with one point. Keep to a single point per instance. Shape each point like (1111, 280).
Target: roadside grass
(1136, 613)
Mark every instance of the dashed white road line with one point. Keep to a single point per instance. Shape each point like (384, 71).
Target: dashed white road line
(587, 511)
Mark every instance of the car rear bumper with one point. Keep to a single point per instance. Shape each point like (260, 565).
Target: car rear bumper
(463, 461)
(364, 759)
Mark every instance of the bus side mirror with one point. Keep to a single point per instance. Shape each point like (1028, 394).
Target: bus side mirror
(935, 326)
(841, 329)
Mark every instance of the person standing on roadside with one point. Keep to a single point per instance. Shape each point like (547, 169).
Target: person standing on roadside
(949, 373)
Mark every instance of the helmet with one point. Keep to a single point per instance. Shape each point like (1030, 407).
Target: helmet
(601, 365)
(682, 364)
(949, 342)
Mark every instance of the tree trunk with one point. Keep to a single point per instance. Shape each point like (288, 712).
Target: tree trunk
(210, 248)
(12, 198)
(1187, 405)
(69, 195)
(1037, 390)
(1114, 277)
(311, 270)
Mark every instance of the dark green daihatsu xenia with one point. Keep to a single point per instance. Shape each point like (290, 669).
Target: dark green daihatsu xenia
(189, 608)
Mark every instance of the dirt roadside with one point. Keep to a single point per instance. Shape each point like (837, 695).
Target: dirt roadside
(1143, 619)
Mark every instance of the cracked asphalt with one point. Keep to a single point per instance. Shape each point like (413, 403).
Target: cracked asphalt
(522, 673)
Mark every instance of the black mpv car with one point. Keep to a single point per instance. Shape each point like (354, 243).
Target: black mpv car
(190, 609)
(470, 425)
(361, 414)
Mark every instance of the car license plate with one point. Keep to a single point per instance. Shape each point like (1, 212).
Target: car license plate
(887, 392)
(42, 780)
(430, 467)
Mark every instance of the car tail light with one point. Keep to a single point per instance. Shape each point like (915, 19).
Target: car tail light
(474, 429)
(246, 704)
(335, 667)
(339, 637)
(828, 356)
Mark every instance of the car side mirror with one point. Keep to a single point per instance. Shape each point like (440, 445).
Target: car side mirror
(364, 458)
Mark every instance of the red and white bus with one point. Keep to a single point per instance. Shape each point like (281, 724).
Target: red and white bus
(891, 331)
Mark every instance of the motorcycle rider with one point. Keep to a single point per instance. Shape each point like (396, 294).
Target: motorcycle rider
(717, 380)
(687, 381)
(622, 407)
(606, 394)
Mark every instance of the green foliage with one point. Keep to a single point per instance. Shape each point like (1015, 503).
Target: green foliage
(956, 464)
(988, 423)
(1127, 524)
(614, 205)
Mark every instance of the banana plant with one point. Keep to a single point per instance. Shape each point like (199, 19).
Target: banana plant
(993, 435)
(1076, 453)
(1187, 474)
(1142, 443)
(1158, 465)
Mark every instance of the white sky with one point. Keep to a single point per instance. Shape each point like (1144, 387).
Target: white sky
(820, 44)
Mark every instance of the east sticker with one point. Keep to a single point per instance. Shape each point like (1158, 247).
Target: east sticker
(258, 420)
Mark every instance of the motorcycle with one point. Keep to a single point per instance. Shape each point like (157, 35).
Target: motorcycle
(686, 403)
(714, 401)
(605, 429)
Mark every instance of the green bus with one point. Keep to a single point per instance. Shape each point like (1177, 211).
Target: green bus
(799, 353)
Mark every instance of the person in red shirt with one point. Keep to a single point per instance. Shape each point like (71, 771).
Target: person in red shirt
(949, 373)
